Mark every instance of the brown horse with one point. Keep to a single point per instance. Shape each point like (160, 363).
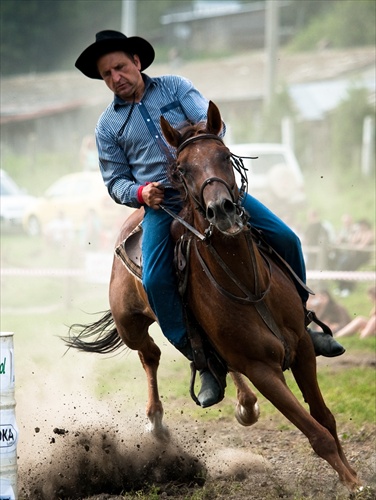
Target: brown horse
(245, 302)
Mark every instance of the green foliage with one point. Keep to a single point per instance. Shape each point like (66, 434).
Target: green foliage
(149, 13)
(347, 129)
(335, 192)
(346, 23)
(45, 35)
(280, 106)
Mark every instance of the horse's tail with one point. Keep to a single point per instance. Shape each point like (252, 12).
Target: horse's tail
(104, 335)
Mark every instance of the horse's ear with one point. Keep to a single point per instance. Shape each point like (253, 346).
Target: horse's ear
(214, 121)
(171, 135)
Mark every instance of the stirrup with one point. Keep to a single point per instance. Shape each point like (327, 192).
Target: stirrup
(310, 317)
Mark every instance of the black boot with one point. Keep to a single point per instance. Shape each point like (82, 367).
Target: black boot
(323, 342)
(325, 345)
(210, 392)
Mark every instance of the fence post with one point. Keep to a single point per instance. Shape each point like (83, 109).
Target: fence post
(8, 425)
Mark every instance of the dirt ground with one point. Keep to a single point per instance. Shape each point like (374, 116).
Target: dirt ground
(206, 460)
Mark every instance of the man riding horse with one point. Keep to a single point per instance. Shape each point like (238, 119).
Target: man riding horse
(133, 159)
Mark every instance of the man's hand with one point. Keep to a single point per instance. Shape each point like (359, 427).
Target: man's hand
(153, 194)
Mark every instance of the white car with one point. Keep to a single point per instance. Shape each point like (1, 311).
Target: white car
(14, 202)
(274, 177)
(80, 200)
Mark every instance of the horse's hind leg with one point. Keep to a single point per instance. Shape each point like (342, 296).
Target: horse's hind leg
(247, 410)
(133, 318)
(271, 383)
(304, 371)
(150, 356)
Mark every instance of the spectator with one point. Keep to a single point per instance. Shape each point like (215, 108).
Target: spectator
(59, 231)
(316, 238)
(343, 236)
(357, 253)
(88, 153)
(366, 327)
(328, 310)
(347, 229)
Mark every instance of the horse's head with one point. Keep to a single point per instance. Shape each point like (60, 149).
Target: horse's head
(204, 170)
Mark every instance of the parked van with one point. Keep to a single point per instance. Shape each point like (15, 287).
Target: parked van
(274, 175)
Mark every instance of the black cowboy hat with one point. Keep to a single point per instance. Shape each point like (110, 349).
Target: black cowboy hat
(111, 41)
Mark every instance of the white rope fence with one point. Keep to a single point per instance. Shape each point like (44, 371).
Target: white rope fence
(342, 275)
(75, 272)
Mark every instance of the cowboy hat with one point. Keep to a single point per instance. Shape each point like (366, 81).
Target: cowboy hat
(111, 41)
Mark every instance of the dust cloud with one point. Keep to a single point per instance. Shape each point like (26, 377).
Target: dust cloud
(73, 445)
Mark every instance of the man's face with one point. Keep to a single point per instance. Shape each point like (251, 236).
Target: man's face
(121, 72)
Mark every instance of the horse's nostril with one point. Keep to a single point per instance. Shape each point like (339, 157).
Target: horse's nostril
(210, 213)
(228, 207)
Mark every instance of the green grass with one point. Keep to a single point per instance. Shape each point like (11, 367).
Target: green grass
(349, 393)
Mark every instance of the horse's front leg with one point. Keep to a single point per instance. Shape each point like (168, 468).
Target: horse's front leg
(247, 410)
(304, 371)
(269, 380)
(150, 355)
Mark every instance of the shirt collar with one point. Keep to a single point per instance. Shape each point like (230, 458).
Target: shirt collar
(118, 101)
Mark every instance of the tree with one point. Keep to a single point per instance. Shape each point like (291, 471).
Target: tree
(347, 129)
(344, 23)
(47, 35)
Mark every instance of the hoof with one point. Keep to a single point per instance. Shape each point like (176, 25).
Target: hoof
(246, 417)
(157, 428)
(161, 432)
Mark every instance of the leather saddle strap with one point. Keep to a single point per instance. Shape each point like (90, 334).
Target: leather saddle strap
(249, 297)
(269, 321)
(195, 339)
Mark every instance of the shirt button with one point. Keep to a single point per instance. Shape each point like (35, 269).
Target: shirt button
(148, 120)
(156, 136)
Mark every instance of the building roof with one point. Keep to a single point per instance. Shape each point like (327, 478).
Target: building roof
(312, 78)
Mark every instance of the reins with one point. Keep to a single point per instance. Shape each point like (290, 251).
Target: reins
(249, 297)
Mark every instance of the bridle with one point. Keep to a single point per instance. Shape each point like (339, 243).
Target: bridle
(237, 164)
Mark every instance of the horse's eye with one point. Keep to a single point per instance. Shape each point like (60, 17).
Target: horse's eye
(181, 170)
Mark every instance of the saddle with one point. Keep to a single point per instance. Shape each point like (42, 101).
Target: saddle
(129, 252)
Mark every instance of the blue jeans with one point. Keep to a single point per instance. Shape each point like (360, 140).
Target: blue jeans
(159, 278)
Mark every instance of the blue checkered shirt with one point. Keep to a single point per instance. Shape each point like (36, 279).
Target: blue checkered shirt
(135, 154)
